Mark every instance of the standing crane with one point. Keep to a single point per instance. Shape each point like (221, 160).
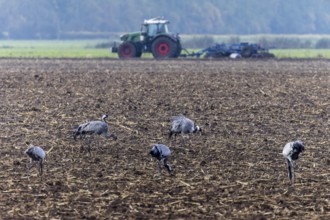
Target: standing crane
(94, 128)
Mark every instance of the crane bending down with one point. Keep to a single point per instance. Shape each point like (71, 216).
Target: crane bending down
(161, 152)
(94, 128)
(183, 125)
(291, 152)
(36, 154)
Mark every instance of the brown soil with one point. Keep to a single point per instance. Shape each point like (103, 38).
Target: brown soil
(248, 110)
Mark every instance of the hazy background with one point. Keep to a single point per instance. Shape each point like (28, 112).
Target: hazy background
(62, 19)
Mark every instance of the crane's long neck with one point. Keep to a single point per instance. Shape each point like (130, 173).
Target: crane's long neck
(104, 118)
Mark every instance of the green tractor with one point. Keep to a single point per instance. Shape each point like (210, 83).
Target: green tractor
(154, 38)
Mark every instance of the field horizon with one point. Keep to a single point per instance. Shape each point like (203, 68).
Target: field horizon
(89, 48)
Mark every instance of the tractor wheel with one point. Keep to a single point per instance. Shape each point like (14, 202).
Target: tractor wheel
(246, 51)
(164, 47)
(127, 50)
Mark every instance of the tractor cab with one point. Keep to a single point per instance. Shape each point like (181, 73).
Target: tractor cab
(155, 26)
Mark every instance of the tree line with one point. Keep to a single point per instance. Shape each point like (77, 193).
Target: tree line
(61, 19)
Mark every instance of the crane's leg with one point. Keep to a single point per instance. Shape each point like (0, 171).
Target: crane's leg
(97, 143)
(170, 133)
(88, 145)
(168, 167)
(40, 167)
(290, 171)
(170, 137)
(183, 141)
(160, 165)
(29, 167)
(189, 136)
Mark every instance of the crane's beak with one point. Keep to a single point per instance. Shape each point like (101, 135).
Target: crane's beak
(114, 137)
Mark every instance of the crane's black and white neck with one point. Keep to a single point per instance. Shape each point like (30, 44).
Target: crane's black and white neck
(104, 117)
(291, 153)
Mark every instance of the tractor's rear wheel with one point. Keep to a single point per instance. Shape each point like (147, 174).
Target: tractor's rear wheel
(164, 47)
(127, 50)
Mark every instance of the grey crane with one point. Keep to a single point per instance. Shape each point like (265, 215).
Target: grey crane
(291, 153)
(94, 128)
(183, 125)
(36, 154)
(161, 152)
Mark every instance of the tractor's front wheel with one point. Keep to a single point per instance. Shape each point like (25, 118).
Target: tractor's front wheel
(127, 50)
(164, 47)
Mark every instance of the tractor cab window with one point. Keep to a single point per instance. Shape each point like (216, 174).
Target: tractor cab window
(163, 28)
(154, 29)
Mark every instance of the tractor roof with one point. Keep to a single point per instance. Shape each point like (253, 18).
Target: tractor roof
(157, 20)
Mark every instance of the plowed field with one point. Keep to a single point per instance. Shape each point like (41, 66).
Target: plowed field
(248, 110)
